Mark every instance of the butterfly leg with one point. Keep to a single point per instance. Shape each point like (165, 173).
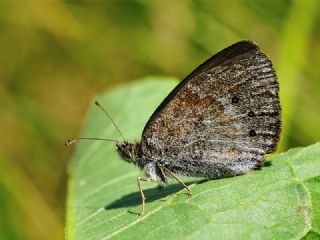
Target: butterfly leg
(139, 179)
(166, 170)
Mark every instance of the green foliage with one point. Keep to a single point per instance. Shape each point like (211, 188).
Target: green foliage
(56, 54)
(281, 201)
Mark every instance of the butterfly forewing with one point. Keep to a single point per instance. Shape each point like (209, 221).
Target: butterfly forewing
(221, 119)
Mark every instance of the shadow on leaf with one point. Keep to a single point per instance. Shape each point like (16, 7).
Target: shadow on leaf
(153, 194)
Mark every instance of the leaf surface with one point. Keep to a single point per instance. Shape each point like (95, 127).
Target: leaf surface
(281, 201)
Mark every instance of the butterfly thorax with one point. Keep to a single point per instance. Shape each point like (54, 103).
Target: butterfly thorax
(132, 153)
(129, 152)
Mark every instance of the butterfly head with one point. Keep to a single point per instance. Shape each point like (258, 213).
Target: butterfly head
(129, 152)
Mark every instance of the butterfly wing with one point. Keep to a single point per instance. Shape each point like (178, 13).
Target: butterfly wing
(221, 119)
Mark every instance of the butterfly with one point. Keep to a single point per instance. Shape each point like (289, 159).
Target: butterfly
(218, 122)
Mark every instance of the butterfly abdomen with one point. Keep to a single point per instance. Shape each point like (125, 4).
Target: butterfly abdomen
(213, 169)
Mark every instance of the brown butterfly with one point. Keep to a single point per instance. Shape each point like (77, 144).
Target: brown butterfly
(218, 122)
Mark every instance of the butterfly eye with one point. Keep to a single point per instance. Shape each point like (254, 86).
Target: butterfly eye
(235, 99)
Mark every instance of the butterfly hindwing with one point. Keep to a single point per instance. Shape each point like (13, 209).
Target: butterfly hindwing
(221, 119)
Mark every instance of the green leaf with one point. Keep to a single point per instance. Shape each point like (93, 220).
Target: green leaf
(281, 201)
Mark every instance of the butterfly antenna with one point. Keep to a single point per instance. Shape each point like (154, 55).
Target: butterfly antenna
(71, 141)
(108, 115)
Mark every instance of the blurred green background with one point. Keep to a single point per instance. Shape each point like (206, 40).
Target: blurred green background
(55, 56)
